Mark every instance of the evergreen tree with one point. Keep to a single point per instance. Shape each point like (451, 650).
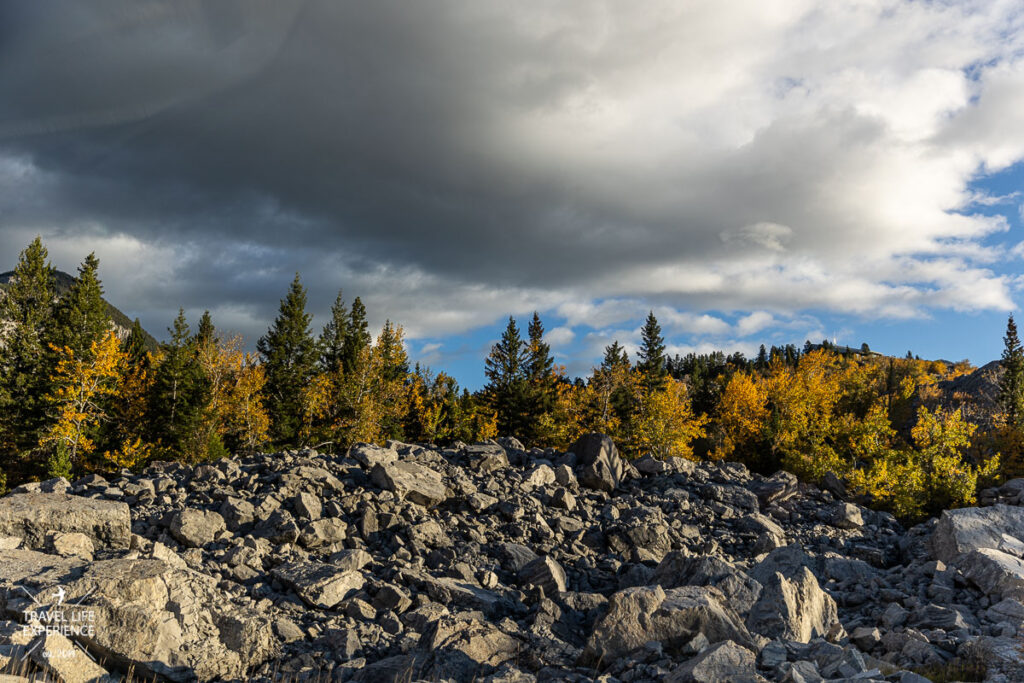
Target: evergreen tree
(507, 383)
(290, 357)
(179, 395)
(651, 358)
(80, 317)
(357, 336)
(134, 345)
(27, 304)
(206, 332)
(614, 356)
(333, 337)
(1011, 384)
(542, 390)
(762, 358)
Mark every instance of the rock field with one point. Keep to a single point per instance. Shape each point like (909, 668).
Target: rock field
(488, 562)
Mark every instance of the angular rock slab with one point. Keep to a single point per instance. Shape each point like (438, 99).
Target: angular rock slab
(999, 575)
(413, 482)
(673, 617)
(166, 622)
(793, 608)
(319, 584)
(546, 573)
(31, 516)
(1000, 527)
(195, 528)
(677, 569)
(65, 661)
(476, 646)
(722, 662)
(599, 465)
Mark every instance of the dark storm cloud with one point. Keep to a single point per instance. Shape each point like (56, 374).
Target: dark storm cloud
(455, 161)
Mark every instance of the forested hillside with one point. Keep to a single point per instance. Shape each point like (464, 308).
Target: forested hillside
(902, 434)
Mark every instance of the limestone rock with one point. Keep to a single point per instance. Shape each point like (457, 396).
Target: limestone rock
(793, 608)
(725, 661)
(412, 482)
(319, 584)
(195, 528)
(31, 516)
(599, 465)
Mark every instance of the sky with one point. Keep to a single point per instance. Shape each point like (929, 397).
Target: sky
(762, 171)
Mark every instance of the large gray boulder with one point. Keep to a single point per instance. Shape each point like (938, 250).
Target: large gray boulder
(546, 573)
(195, 528)
(318, 584)
(674, 617)
(725, 661)
(1000, 527)
(999, 575)
(793, 608)
(31, 516)
(599, 465)
(167, 622)
(679, 569)
(475, 644)
(413, 482)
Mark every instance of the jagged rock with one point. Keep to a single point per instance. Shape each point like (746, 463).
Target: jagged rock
(63, 660)
(645, 613)
(307, 506)
(67, 544)
(196, 528)
(777, 488)
(323, 532)
(163, 621)
(1000, 527)
(599, 466)
(546, 573)
(237, 512)
(1000, 575)
(793, 608)
(725, 661)
(412, 482)
(846, 516)
(319, 584)
(31, 516)
(678, 569)
(486, 457)
(477, 645)
(541, 475)
(369, 455)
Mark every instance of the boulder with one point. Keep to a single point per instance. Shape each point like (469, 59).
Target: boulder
(999, 575)
(195, 528)
(546, 573)
(319, 584)
(846, 516)
(679, 569)
(166, 622)
(599, 465)
(649, 613)
(793, 608)
(31, 516)
(1000, 527)
(477, 645)
(369, 455)
(413, 482)
(725, 661)
(65, 661)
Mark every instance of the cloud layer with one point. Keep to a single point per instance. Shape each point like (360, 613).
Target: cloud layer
(455, 162)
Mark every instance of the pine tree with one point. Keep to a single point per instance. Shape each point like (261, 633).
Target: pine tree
(651, 358)
(506, 387)
(80, 317)
(390, 373)
(542, 381)
(134, 345)
(179, 395)
(333, 337)
(357, 336)
(206, 332)
(762, 358)
(27, 304)
(614, 356)
(290, 357)
(1011, 384)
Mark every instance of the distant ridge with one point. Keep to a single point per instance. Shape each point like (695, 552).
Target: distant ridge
(123, 323)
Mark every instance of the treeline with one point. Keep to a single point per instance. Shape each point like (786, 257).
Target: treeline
(76, 398)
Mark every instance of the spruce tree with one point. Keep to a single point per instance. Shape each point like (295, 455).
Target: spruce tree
(134, 345)
(614, 356)
(179, 395)
(80, 317)
(542, 389)
(357, 336)
(651, 357)
(333, 337)
(1011, 384)
(289, 357)
(762, 358)
(507, 383)
(206, 332)
(27, 305)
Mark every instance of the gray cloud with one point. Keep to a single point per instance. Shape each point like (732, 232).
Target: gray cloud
(453, 162)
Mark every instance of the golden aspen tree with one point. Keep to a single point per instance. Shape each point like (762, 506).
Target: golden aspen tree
(247, 423)
(79, 387)
(664, 424)
(742, 419)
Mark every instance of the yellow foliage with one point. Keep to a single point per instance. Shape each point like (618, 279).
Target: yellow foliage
(742, 418)
(80, 385)
(131, 454)
(664, 424)
(245, 418)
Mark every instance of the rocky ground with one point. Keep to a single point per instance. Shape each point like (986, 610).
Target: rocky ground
(490, 563)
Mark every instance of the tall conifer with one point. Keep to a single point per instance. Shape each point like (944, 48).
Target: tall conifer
(357, 336)
(27, 305)
(651, 358)
(333, 337)
(80, 317)
(507, 384)
(1011, 384)
(290, 357)
(179, 395)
